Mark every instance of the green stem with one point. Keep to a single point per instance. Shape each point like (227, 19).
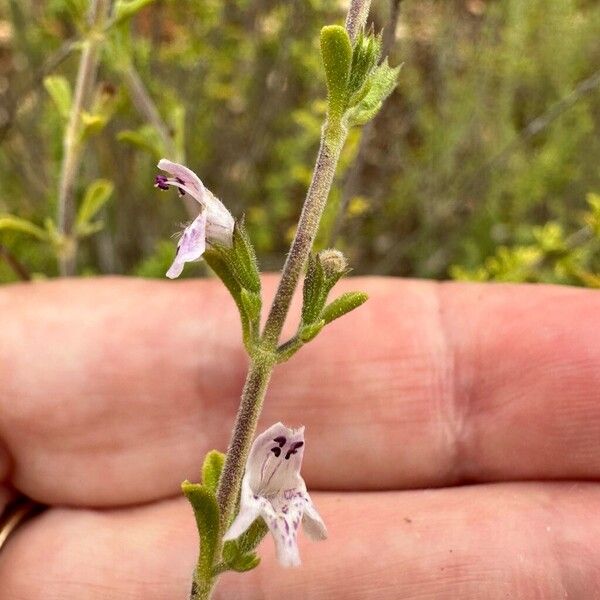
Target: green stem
(72, 148)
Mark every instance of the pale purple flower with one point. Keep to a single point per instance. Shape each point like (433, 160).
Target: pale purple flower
(273, 489)
(214, 224)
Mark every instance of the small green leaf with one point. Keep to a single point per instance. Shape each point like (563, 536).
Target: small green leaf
(211, 469)
(365, 55)
(52, 232)
(59, 89)
(252, 305)
(238, 555)
(382, 82)
(217, 259)
(252, 537)
(125, 9)
(336, 52)
(146, 138)
(244, 563)
(343, 305)
(312, 291)
(323, 272)
(310, 332)
(206, 511)
(92, 124)
(23, 225)
(96, 196)
(243, 261)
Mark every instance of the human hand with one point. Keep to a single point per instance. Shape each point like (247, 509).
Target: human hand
(454, 431)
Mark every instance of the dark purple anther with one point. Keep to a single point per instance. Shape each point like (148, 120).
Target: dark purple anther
(280, 440)
(276, 451)
(161, 182)
(293, 449)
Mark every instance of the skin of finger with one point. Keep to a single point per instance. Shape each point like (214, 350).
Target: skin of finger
(127, 383)
(6, 496)
(496, 541)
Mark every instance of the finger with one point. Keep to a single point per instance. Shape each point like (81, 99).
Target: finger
(520, 541)
(425, 385)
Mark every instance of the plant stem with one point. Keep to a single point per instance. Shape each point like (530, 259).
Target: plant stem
(357, 16)
(333, 137)
(332, 141)
(253, 395)
(354, 176)
(72, 149)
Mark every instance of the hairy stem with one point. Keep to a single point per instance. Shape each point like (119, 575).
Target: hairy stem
(357, 16)
(253, 395)
(72, 148)
(259, 374)
(257, 380)
(332, 141)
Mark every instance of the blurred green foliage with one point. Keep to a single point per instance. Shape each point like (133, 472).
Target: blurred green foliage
(478, 166)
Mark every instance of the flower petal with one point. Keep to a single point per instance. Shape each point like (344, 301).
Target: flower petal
(275, 459)
(191, 245)
(312, 522)
(284, 529)
(250, 508)
(188, 180)
(220, 222)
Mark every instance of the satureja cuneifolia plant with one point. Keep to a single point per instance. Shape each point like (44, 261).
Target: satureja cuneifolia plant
(256, 487)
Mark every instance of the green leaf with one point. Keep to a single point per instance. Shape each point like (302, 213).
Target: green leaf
(59, 89)
(92, 124)
(365, 55)
(243, 261)
(244, 563)
(216, 258)
(343, 305)
(206, 511)
(125, 9)
(382, 82)
(323, 272)
(312, 291)
(336, 52)
(23, 225)
(252, 537)
(252, 304)
(238, 555)
(96, 196)
(310, 332)
(216, 261)
(146, 138)
(211, 469)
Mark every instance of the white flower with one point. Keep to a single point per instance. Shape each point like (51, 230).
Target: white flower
(273, 489)
(214, 224)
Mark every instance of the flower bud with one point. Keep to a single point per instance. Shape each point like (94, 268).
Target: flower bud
(333, 262)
